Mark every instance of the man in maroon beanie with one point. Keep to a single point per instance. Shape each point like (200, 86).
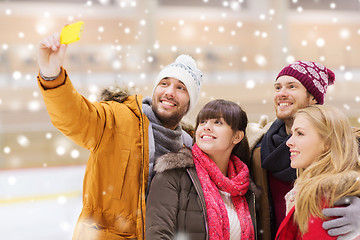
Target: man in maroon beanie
(298, 85)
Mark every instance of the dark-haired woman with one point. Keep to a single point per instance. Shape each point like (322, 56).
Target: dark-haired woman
(203, 193)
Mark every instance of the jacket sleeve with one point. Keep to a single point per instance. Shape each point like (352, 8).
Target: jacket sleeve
(76, 117)
(162, 206)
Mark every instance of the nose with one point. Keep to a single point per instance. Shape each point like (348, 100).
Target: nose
(208, 126)
(281, 92)
(170, 91)
(289, 142)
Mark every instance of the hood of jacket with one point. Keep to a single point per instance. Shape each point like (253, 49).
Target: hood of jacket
(181, 159)
(255, 131)
(116, 94)
(356, 132)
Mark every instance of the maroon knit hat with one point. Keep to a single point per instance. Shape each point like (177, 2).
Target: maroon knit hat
(314, 76)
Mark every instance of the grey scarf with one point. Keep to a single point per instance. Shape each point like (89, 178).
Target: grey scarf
(166, 140)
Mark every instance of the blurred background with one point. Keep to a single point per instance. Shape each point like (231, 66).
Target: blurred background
(240, 45)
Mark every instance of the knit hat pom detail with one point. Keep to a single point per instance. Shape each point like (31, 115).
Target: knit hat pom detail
(331, 78)
(186, 60)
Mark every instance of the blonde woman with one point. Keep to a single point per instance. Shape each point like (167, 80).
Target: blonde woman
(324, 151)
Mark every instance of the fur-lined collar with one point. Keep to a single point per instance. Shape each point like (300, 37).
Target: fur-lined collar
(356, 132)
(181, 159)
(115, 94)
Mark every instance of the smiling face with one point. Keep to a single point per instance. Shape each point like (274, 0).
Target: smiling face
(216, 138)
(170, 102)
(289, 96)
(305, 144)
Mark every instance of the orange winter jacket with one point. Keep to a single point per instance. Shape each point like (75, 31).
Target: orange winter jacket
(117, 170)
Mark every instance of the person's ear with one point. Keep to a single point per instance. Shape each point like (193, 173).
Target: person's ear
(239, 135)
(325, 146)
(313, 101)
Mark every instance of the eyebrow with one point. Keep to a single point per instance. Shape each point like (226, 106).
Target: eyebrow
(295, 129)
(182, 83)
(287, 83)
(168, 79)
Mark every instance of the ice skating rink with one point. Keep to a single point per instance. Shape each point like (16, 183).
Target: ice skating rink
(40, 203)
(240, 47)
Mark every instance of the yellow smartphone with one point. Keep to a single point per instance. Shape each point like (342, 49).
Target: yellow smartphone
(71, 33)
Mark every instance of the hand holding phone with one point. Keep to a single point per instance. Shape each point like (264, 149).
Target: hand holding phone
(71, 33)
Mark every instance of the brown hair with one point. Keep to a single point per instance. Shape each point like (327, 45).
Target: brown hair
(234, 116)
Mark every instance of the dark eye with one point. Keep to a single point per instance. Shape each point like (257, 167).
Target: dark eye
(299, 133)
(218, 121)
(277, 88)
(182, 88)
(292, 86)
(202, 122)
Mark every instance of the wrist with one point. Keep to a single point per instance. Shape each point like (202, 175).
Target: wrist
(47, 78)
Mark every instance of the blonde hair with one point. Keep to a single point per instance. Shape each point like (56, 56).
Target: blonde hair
(335, 174)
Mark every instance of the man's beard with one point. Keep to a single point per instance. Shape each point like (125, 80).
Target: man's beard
(168, 120)
(290, 116)
(287, 117)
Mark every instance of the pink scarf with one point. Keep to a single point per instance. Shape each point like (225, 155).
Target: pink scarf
(212, 180)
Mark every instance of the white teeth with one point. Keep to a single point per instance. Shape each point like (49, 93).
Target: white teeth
(284, 104)
(207, 137)
(168, 103)
(294, 153)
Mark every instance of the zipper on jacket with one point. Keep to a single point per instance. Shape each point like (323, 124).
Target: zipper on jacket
(202, 203)
(142, 169)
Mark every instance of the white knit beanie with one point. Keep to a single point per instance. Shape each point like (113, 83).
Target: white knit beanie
(184, 69)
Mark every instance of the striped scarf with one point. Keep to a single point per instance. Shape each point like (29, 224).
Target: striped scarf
(237, 184)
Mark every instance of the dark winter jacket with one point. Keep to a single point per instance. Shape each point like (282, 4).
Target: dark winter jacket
(176, 203)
